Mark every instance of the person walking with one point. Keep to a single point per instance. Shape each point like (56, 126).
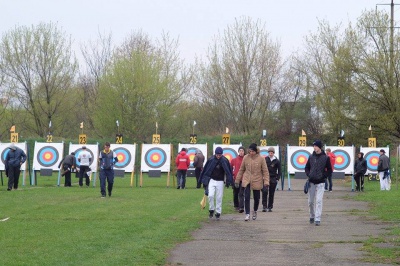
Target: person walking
(274, 169)
(182, 162)
(84, 159)
(238, 193)
(318, 167)
(332, 158)
(198, 163)
(14, 159)
(360, 168)
(216, 170)
(254, 175)
(383, 170)
(107, 158)
(68, 164)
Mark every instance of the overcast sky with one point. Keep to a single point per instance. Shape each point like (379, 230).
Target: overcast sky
(193, 22)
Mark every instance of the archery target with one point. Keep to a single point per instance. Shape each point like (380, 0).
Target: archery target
(372, 159)
(47, 156)
(156, 157)
(229, 151)
(126, 156)
(342, 160)
(371, 155)
(299, 159)
(264, 151)
(4, 151)
(191, 151)
(93, 149)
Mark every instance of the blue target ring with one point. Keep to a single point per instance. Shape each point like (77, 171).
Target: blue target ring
(155, 157)
(264, 152)
(299, 159)
(229, 153)
(342, 159)
(4, 154)
(372, 159)
(124, 157)
(78, 164)
(47, 156)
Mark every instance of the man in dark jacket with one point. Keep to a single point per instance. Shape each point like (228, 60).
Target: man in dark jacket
(212, 177)
(318, 167)
(13, 161)
(107, 159)
(360, 168)
(68, 164)
(383, 170)
(198, 164)
(274, 169)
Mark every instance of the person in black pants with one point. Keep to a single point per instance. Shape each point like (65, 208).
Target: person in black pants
(14, 159)
(85, 159)
(360, 168)
(68, 163)
(274, 169)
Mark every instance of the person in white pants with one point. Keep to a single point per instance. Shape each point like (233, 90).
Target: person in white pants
(383, 170)
(213, 178)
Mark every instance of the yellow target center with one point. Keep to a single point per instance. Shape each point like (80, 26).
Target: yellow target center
(302, 160)
(120, 157)
(47, 156)
(155, 157)
(339, 160)
(374, 161)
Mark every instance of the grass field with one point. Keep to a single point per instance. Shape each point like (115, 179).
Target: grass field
(385, 205)
(52, 225)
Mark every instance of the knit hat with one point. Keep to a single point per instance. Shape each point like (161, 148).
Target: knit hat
(241, 148)
(12, 147)
(219, 150)
(271, 149)
(253, 147)
(317, 143)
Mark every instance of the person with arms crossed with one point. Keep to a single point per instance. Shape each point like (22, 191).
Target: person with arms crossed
(14, 159)
(318, 167)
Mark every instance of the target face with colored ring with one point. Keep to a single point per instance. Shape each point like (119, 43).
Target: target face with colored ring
(299, 159)
(124, 157)
(264, 153)
(229, 153)
(155, 157)
(191, 152)
(372, 159)
(47, 156)
(78, 164)
(342, 159)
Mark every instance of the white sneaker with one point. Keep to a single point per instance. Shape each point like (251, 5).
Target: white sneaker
(254, 215)
(247, 217)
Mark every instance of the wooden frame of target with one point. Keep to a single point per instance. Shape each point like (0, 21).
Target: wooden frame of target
(155, 157)
(371, 155)
(264, 151)
(230, 151)
(126, 154)
(93, 149)
(344, 158)
(4, 150)
(47, 155)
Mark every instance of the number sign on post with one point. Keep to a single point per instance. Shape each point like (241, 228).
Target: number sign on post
(226, 139)
(82, 139)
(193, 139)
(156, 139)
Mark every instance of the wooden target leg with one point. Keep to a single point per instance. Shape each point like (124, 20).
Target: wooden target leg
(168, 180)
(141, 179)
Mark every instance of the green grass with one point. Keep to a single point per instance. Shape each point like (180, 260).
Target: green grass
(52, 225)
(385, 205)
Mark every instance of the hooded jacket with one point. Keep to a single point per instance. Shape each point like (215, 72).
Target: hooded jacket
(360, 165)
(182, 161)
(15, 158)
(205, 175)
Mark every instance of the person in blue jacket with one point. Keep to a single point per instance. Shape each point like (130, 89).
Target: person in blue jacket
(107, 160)
(216, 172)
(14, 159)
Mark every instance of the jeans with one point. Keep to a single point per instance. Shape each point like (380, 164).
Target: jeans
(197, 172)
(256, 196)
(82, 173)
(315, 196)
(109, 175)
(329, 179)
(181, 178)
(359, 178)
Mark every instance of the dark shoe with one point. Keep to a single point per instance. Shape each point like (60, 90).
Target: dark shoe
(317, 223)
(217, 216)
(269, 209)
(211, 214)
(254, 215)
(109, 193)
(264, 210)
(241, 211)
(103, 196)
(8, 189)
(178, 187)
(311, 220)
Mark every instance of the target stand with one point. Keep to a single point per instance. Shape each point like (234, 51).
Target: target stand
(190, 173)
(154, 173)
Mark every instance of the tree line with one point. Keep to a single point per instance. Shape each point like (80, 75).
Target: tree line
(342, 78)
